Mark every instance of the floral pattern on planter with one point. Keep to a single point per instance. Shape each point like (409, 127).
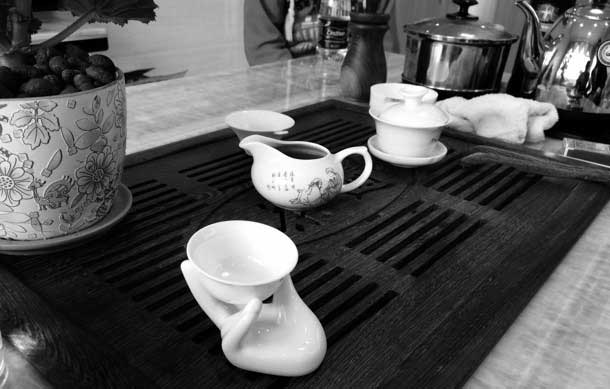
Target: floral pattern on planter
(95, 177)
(15, 182)
(95, 127)
(35, 122)
(61, 161)
(55, 195)
(121, 110)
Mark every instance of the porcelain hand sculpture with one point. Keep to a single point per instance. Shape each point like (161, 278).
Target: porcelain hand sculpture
(281, 338)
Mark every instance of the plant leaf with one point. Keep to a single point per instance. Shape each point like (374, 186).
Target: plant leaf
(47, 105)
(48, 123)
(21, 118)
(34, 135)
(114, 11)
(109, 97)
(108, 123)
(96, 104)
(99, 115)
(86, 124)
(15, 217)
(29, 106)
(87, 139)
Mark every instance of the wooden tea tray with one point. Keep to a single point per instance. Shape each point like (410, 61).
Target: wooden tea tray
(415, 276)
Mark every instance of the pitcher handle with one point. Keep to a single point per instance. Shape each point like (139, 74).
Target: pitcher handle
(368, 166)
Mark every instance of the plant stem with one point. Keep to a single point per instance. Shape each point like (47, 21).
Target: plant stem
(5, 42)
(20, 17)
(66, 32)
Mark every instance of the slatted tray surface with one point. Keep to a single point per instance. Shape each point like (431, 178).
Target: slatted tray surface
(414, 276)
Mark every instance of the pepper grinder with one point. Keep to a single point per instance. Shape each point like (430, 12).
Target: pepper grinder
(364, 64)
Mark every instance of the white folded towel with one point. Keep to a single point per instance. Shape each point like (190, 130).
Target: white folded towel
(501, 116)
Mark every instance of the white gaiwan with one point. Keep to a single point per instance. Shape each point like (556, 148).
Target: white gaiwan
(412, 127)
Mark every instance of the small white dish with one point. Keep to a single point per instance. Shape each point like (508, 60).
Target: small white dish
(439, 152)
(259, 122)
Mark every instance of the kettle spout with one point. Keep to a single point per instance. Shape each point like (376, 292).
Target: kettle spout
(528, 63)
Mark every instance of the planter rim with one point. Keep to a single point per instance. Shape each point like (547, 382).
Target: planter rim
(120, 76)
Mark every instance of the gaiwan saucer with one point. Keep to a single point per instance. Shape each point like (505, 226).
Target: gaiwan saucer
(439, 152)
(120, 207)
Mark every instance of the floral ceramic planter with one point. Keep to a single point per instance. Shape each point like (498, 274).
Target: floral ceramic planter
(61, 160)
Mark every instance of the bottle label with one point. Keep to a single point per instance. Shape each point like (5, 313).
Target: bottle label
(333, 34)
(603, 53)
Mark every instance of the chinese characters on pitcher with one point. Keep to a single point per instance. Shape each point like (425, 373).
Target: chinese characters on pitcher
(282, 181)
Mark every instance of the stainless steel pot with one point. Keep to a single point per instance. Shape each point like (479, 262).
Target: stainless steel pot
(457, 54)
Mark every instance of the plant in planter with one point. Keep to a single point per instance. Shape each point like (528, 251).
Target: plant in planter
(62, 122)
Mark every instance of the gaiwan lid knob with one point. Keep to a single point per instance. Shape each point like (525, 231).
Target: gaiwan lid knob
(413, 112)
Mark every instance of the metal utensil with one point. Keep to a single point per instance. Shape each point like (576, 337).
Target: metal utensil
(556, 166)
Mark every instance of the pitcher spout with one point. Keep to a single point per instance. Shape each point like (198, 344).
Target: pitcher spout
(258, 145)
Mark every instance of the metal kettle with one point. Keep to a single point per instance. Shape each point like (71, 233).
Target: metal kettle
(570, 66)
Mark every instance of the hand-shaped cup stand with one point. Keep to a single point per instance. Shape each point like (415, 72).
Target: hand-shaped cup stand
(232, 267)
(235, 265)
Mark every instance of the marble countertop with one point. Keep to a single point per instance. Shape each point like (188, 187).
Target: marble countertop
(561, 339)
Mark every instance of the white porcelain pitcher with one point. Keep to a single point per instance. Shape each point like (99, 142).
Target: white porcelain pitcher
(300, 175)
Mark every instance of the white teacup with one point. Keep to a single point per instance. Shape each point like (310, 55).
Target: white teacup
(241, 260)
(385, 95)
(259, 122)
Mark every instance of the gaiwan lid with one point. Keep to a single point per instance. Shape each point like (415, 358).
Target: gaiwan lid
(413, 112)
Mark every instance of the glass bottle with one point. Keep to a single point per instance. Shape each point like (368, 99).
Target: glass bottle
(334, 20)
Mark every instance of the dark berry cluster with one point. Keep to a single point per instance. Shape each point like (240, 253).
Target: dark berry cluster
(53, 71)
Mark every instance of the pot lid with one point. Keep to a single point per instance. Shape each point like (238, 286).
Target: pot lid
(413, 112)
(596, 10)
(461, 27)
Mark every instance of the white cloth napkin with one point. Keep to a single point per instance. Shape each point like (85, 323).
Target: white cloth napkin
(501, 116)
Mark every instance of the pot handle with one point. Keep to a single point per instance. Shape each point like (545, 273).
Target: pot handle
(368, 166)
